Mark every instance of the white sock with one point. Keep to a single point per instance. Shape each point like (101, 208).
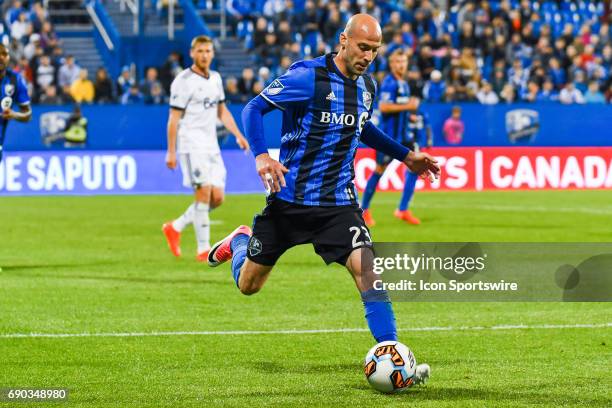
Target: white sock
(185, 219)
(201, 224)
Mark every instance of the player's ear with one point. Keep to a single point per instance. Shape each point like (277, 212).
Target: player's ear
(343, 40)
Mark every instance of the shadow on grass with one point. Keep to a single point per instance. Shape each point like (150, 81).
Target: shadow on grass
(522, 394)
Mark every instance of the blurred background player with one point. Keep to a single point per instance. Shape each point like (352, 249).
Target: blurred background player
(13, 89)
(395, 106)
(419, 134)
(197, 99)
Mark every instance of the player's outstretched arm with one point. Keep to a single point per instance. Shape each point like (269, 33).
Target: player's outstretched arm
(24, 114)
(420, 163)
(389, 108)
(271, 172)
(230, 124)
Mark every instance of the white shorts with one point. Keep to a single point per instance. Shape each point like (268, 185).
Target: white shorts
(202, 169)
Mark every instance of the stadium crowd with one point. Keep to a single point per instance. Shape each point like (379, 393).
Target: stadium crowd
(486, 51)
(497, 51)
(55, 78)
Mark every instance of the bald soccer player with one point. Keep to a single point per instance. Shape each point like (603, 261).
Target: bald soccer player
(326, 105)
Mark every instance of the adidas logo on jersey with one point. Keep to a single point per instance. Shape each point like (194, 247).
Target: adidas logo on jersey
(331, 96)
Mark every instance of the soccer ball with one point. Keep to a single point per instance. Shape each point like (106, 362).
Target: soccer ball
(390, 367)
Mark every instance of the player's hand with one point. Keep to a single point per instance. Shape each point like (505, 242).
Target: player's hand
(272, 172)
(414, 102)
(171, 160)
(242, 142)
(424, 165)
(7, 114)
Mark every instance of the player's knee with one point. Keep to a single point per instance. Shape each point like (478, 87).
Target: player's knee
(216, 201)
(249, 289)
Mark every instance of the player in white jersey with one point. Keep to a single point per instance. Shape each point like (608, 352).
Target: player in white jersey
(196, 101)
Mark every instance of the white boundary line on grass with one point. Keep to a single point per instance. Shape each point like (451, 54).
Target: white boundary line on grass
(315, 331)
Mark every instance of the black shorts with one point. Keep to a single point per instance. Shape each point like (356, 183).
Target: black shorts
(333, 231)
(384, 160)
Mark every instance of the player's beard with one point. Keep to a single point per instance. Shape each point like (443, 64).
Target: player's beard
(203, 66)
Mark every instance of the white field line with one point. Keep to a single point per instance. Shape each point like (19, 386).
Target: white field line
(315, 331)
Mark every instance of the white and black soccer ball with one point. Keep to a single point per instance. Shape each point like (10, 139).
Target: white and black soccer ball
(390, 367)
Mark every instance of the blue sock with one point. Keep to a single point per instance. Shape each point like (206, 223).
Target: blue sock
(239, 249)
(409, 186)
(369, 191)
(379, 314)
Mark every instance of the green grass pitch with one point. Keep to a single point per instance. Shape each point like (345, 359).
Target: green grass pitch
(100, 265)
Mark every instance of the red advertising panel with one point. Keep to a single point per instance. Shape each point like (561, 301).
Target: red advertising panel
(502, 168)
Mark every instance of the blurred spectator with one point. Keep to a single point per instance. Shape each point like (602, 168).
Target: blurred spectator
(580, 81)
(517, 75)
(332, 26)
(132, 96)
(508, 93)
(453, 128)
(246, 82)
(50, 97)
(16, 49)
(24, 68)
(570, 94)
(548, 93)
(284, 37)
(156, 95)
(308, 21)
(273, 8)
(82, 90)
(45, 74)
(21, 28)
(415, 82)
(530, 94)
(258, 87)
(434, 89)
(38, 16)
(260, 32)
(48, 38)
(103, 85)
(149, 82)
(13, 12)
(593, 94)
(125, 81)
(30, 49)
(232, 95)
(68, 73)
(269, 52)
(284, 65)
(171, 68)
(263, 76)
(557, 73)
(486, 95)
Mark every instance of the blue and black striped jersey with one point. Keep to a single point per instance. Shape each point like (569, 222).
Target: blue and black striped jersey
(323, 115)
(397, 91)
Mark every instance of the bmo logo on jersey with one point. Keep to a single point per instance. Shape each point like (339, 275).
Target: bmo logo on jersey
(210, 103)
(343, 119)
(338, 119)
